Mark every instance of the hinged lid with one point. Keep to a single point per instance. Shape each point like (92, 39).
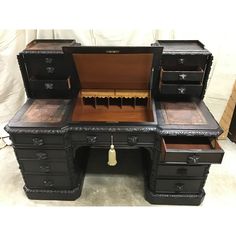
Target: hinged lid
(129, 68)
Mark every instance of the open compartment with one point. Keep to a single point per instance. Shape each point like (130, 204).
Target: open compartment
(191, 150)
(114, 83)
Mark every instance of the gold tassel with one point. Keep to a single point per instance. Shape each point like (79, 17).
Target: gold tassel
(112, 154)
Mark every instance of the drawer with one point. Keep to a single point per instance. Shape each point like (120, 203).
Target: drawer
(50, 85)
(184, 60)
(31, 154)
(39, 140)
(47, 182)
(181, 89)
(182, 170)
(43, 166)
(179, 185)
(118, 138)
(172, 74)
(191, 150)
(47, 66)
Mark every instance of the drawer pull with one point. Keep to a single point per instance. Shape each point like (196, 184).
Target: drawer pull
(48, 86)
(45, 169)
(179, 187)
(181, 90)
(91, 139)
(50, 69)
(132, 140)
(48, 183)
(193, 159)
(182, 171)
(38, 141)
(182, 77)
(181, 61)
(42, 155)
(48, 60)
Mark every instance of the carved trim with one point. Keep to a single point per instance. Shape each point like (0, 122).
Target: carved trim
(200, 52)
(29, 52)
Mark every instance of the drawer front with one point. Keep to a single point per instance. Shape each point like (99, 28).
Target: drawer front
(39, 140)
(118, 138)
(198, 154)
(184, 60)
(182, 76)
(47, 66)
(43, 166)
(182, 170)
(181, 89)
(47, 182)
(29, 154)
(179, 185)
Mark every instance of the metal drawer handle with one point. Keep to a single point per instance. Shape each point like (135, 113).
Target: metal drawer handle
(48, 183)
(182, 77)
(48, 86)
(91, 139)
(38, 141)
(132, 140)
(193, 159)
(181, 61)
(179, 187)
(181, 90)
(45, 168)
(48, 60)
(42, 155)
(182, 171)
(50, 69)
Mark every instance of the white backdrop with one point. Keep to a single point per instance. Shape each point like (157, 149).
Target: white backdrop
(12, 94)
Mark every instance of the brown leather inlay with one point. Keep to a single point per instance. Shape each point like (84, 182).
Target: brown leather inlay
(114, 71)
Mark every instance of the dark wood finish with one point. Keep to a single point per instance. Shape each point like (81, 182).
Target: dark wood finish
(147, 99)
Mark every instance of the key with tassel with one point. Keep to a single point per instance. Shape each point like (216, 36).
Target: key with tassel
(112, 154)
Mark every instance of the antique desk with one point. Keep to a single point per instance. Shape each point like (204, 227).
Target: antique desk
(145, 98)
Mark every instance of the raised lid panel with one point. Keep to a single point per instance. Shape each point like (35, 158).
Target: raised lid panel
(114, 71)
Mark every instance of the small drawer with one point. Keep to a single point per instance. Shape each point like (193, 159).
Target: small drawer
(47, 181)
(47, 66)
(43, 166)
(50, 85)
(191, 150)
(184, 60)
(40, 140)
(40, 155)
(118, 138)
(169, 74)
(181, 89)
(179, 185)
(182, 170)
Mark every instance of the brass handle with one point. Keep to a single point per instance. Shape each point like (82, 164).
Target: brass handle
(48, 60)
(132, 140)
(45, 168)
(48, 183)
(179, 187)
(42, 155)
(38, 141)
(182, 77)
(91, 139)
(193, 159)
(50, 69)
(181, 61)
(181, 90)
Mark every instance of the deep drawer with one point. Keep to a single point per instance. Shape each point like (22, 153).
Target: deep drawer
(181, 89)
(39, 140)
(174, 75)
(182, 170)
(47, 66)
(31, 154)
(191, 150)
(179, 185)
(184, 60)
(118, 138)
(43, 166)
(47, 182)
